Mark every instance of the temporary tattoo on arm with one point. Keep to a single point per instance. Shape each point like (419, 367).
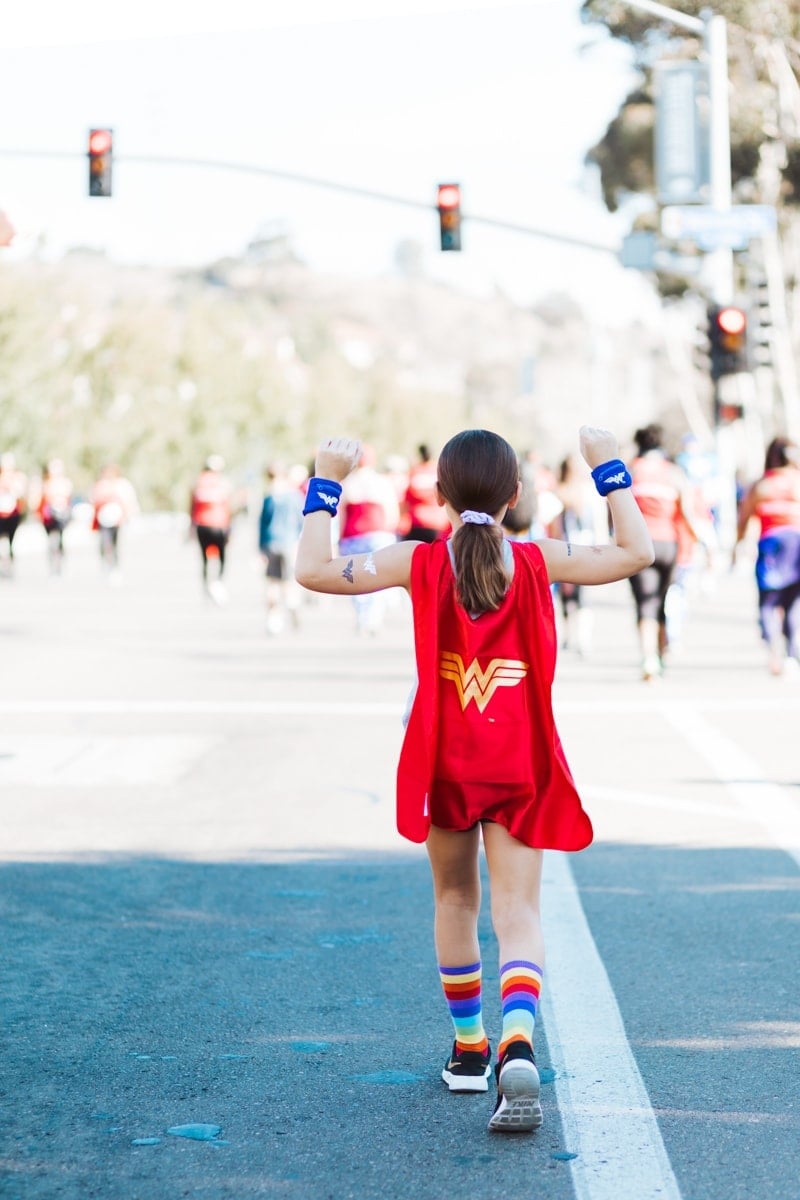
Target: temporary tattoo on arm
(569, 550)
(347, 573)
(369, 565)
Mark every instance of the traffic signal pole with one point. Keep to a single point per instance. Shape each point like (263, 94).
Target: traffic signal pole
(717, 273)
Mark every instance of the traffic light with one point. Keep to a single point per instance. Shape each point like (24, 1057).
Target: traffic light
(727, 339)
(448, 202)
(760, 320)
(101, 146)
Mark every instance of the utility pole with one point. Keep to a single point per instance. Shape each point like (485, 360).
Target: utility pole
(717, 274)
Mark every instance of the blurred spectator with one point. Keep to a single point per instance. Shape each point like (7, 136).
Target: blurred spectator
(13, 505)
(278, 534)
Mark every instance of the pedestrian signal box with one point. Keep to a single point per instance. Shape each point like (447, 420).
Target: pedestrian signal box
(727, 339)
(101, 146)
(448, 202)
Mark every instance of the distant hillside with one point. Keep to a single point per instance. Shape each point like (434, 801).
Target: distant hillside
(257, 358)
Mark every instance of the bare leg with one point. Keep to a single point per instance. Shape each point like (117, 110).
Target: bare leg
(515, 874)
(457, 894)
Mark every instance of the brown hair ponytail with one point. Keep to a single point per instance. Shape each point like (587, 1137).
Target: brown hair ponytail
(479, 470)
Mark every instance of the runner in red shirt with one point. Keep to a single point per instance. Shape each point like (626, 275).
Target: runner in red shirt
(481, 755)
(661, 490)
(211, 513)
(427, 520)
(774, 502)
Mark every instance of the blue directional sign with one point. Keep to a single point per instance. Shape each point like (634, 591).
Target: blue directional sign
(713, 228)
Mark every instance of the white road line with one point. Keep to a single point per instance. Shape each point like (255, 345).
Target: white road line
(766, 804)
(365, 708)
(190, 708)
(605, 1110)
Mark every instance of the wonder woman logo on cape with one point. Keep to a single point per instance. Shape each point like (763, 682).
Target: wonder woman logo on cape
(478, 684)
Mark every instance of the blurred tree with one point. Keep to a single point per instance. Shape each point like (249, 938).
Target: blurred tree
(764, 65)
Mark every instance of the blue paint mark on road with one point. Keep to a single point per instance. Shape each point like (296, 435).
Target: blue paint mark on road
(353, 939)
(563, 1155)
(298, 893)
(390, 1078)
(310, 1047)
(236, 1057)
(198, 1133)
(146, 1142)
(269, 954)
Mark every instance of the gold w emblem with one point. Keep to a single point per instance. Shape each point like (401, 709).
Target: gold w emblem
(474, 683)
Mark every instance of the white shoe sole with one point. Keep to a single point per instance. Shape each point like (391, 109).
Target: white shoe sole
(466, 1083)
(519, 1109)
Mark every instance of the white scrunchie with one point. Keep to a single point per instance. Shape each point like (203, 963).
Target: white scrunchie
(476, 518)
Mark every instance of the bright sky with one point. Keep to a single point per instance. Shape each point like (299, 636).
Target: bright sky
(390, 95)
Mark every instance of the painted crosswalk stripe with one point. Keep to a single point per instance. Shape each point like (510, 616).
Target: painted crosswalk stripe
(606, 1115)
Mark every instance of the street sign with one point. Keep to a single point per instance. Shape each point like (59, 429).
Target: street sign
(644, 251)
(682, 154)
(714, 228)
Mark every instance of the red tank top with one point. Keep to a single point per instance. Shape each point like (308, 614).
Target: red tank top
(483, 709)
(657, 496)
(778, 505)
(360, 517)
(211, 501)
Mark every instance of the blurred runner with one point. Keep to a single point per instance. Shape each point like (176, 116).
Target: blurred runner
(278, 534)
(13, 506)
(425, 517)
(774, 502)
(114, 502)
(54, 507)
(211, 512)
(368, 519)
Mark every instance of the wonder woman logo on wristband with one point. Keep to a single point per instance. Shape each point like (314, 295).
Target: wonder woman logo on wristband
(478, 684)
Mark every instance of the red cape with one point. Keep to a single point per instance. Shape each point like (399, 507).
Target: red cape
(498, 672)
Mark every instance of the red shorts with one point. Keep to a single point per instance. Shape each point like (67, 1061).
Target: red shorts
(460, 806)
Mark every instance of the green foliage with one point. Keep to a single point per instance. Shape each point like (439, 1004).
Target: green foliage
(624, 154)
(155, 371)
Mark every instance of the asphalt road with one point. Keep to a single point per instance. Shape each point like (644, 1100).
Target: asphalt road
(208, 923)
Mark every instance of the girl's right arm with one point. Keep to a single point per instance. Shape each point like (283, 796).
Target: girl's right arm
(316, 567)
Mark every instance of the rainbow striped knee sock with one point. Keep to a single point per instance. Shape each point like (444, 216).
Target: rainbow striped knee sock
(462, 991)
(520, 985)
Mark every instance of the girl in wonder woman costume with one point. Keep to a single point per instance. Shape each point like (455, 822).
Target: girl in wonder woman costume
(481, 755)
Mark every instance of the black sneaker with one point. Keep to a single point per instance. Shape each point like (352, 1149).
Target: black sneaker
(468, 1070)
(518, 1109)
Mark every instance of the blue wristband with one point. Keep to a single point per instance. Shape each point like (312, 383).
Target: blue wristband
(322, 496)
(610, 476)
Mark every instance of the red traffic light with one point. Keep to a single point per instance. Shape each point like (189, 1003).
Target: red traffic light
(448, 196)
(731, 320)
(101, 154)
(100, 141)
